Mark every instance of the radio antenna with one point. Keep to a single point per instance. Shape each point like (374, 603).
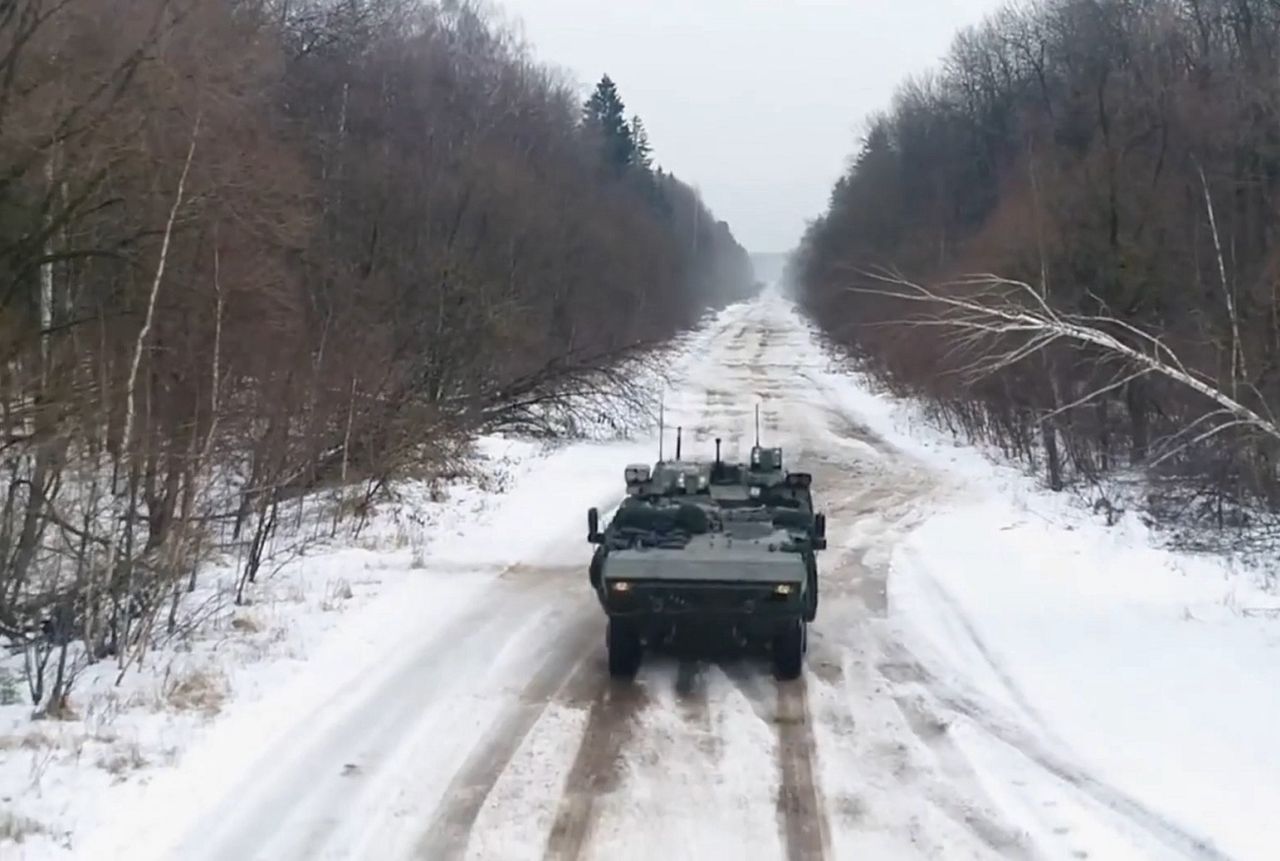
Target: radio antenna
(661, 423)
(757, 425)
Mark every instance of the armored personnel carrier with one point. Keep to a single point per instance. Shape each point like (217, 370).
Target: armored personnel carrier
(703, 546)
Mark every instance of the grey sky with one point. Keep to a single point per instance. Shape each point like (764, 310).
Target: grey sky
(757, 102)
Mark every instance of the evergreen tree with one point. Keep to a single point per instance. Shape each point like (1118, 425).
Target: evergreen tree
(605, 112)
(642, 154)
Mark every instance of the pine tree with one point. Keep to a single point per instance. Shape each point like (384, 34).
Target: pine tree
(642, 151)
(605, 112)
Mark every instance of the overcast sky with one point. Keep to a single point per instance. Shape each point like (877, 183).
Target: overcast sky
(757, 102)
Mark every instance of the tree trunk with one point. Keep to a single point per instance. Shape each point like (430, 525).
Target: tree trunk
(1135, 401)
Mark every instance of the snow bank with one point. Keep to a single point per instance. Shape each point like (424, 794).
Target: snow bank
(1138, 661)
(181, 725)
(1157, 671)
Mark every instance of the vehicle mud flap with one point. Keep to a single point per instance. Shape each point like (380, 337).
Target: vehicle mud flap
(788, 649)
(623, 641)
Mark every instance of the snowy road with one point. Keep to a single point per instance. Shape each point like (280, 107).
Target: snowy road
(490, 729)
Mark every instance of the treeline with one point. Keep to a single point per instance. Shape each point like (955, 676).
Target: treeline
(251, 248)
(1120, 159)
(708, 255)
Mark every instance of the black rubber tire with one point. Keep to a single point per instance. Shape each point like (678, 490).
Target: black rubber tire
(811, 594)
(623, 641)
(596, 571)
(788, 649)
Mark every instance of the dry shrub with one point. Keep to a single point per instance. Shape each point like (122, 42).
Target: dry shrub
(202, 690)
(15, 828)
(336, 594)
(26, 741)
(123, 759)
(60, 709)
(246, 624)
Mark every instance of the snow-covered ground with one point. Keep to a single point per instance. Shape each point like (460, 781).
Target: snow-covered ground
(993, 673)
(1143, 681)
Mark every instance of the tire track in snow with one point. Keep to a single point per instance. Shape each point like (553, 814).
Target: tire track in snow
(450, 830)
(905, 667)
(597, 768)
(956, 796)
(695, 707)
(1109, 797)
(902, 665)
(800, 808)
(957, 613)
(291, 805)
(802, 818)
(691, 687)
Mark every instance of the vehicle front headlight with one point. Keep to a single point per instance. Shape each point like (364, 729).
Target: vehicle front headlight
(783, 589)
(621, 586)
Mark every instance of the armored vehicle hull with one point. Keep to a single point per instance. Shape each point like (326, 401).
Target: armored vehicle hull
(701, 551)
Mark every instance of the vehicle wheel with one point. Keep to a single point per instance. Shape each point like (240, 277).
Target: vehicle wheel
(788, 649)
(596, 570)
(624, 649)
(811, 594)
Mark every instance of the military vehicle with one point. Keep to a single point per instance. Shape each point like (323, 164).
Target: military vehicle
(708, 547)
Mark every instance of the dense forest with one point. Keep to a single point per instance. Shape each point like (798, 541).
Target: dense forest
(253, 248)
(1066, 241)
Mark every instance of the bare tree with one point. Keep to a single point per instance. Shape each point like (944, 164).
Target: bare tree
(998, 323)
(1119, 153)
(254, 251)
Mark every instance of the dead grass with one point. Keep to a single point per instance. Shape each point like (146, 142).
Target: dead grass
(16, 829)
(336, 594)
(201, 691)
(105, 736)
(246, 624)
(61, 710)
(26, 741)
(123, 759)
(9, 693)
